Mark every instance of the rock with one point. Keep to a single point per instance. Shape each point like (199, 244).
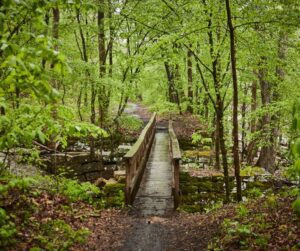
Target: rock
(120, 176)
(101, 182)
(123, 148)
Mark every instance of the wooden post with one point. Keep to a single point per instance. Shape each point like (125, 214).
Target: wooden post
(176, 181)
(128, 181)
(175, 158)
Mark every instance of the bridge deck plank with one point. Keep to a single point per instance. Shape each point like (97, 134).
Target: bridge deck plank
(154, 196)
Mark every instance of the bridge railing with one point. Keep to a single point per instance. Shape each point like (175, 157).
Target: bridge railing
(136, 159)
(175, 158)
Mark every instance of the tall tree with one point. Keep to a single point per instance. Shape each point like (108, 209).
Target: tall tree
(235, 131)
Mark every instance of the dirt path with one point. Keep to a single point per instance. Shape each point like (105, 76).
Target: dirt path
(138, 110)
(174, 232)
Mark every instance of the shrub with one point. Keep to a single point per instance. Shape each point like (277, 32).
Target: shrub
(7, 229)
(74, 190)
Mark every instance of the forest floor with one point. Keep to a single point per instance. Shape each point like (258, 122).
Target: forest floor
(262, 224)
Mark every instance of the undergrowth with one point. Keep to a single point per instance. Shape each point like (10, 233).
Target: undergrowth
(259, 224)
(40, 210)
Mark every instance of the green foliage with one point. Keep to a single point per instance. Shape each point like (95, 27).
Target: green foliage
(163, 107)
(23, 184)
(74, 190)
(130, 122)
(296, 206)
(58, 235)
(71, 189)
(294, 170)
(114, 195)
(7, 230)
(234, 229)
(242, 210)
(271, 202)
(197, 138)
(27, 124)
(254, 193)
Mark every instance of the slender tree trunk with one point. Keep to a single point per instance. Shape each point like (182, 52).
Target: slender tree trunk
(252, 149)
(243, 110)
(171, 85)
(235, 131)
(190, 81)
(217, 144)
(219, 106)
(176, 84)
(220, 126)
(111, 39)
(55, 35)
(102, 94)
(47, 21)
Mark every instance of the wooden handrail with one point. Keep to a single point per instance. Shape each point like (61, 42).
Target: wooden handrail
(175, 158)
(136, 158)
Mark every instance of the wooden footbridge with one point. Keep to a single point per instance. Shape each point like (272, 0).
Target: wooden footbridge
(152, 170)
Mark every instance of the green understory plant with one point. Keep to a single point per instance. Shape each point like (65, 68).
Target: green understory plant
(58, 235)
(294, 170)
(7, 230)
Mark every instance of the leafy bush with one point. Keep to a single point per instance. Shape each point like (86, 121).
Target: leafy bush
(29, 123)
(7, 229)
(74, 190)
(9, 183)
(114, 195)
(130, 122)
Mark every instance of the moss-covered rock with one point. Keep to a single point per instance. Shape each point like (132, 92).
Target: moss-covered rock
(113, 189)
(196, 153)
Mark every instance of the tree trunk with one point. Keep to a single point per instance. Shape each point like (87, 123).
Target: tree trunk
(252, 149)
(102, 94)
(220, 126)
(171, 83)
(235, 130)
(268, 153)
(190, 81)
(217, 145)
(111, 39)
(55, 35)
(243, 111)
